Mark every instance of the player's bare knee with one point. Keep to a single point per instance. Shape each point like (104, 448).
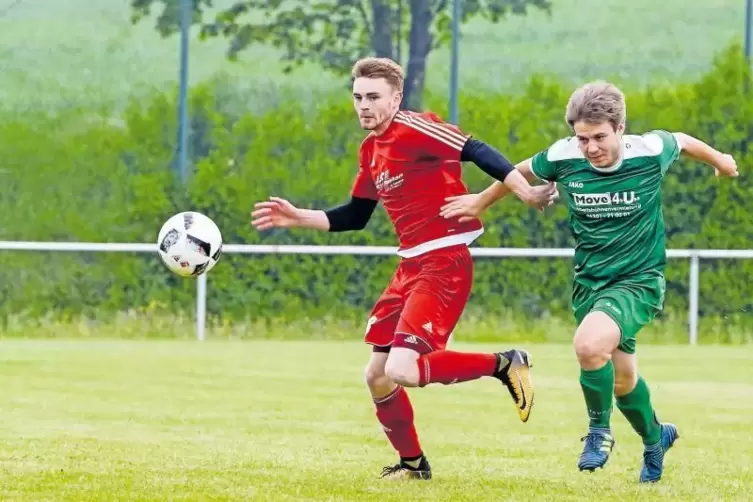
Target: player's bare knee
(588, 349)
(401, 374)
(591, 351)
(401, 367)
(375, 376)
(595, 340)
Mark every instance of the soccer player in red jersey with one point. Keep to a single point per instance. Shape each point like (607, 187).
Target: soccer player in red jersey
(412, 162)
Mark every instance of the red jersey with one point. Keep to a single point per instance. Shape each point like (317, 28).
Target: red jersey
(412, 167)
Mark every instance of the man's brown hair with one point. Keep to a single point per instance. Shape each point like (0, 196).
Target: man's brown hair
(596, 102)
(380, 68)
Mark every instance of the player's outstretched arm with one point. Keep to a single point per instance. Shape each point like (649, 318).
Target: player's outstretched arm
(498, 190)
(472, 205)
(497, 166)
(280, 213)
(724, 164)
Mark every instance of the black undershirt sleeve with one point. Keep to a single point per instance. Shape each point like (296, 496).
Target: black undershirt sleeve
(354, 215)
(487, 158)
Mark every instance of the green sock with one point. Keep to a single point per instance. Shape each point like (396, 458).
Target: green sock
(636, 406)
(598, 389)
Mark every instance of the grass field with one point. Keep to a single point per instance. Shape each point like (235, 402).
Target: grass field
(284, 421)
(83, 53)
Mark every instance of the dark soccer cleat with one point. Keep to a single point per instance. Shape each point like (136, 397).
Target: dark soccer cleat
(598, 445)
(653, 455)
(514, 370)
(404, 471)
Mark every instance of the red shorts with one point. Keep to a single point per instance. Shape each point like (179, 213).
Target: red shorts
(423, 302)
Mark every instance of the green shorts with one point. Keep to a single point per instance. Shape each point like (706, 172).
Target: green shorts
(631, 302)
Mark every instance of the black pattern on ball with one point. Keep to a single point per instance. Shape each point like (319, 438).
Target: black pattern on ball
(203, 247)
(187, 220)
(169, 240)
(200, 268)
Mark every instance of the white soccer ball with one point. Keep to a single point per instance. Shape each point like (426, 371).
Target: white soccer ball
(190, 244)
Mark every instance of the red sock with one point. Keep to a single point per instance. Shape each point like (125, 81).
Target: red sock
(395, 413)
(447, 367)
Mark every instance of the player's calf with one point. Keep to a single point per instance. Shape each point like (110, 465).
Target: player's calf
(409, 368)
(393, 409)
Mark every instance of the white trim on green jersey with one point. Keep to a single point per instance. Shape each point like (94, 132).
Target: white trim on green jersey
(634, 146)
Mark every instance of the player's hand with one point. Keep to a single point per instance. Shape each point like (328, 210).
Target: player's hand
(726, 167)
(274, 213)
(542, 196)
(465, 207)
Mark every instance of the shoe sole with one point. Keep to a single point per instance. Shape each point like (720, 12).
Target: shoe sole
(421, 476)
(521, 373)
(592, 469)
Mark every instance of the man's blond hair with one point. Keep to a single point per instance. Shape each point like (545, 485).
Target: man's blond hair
(595, 103)
(380, 68)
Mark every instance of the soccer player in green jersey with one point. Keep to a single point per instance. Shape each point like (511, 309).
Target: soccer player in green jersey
(613, 183)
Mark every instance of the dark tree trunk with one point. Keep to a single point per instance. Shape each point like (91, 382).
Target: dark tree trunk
(381, 38)
(419, 48)
(399, 32)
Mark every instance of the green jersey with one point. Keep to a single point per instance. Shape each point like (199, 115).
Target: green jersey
(616, 212)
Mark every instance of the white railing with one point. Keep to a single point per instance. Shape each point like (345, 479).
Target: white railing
(694, 255)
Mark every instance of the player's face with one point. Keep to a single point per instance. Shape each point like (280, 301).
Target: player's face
(600, 143)
(375, 101)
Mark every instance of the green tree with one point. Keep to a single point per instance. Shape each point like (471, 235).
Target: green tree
(335, 33)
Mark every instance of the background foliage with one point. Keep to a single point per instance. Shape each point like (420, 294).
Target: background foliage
(85, 178)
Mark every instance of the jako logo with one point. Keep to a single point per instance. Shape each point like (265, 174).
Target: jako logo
(575, 184)
(604, 199)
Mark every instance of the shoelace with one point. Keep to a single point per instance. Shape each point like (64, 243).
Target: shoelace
(593, 441)
(392, 469)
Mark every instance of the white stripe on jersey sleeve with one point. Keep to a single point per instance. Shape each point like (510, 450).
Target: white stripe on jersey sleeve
(446, 136)
(445, 131)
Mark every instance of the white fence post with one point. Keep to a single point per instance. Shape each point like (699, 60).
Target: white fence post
(201, 306)
(693, 298)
